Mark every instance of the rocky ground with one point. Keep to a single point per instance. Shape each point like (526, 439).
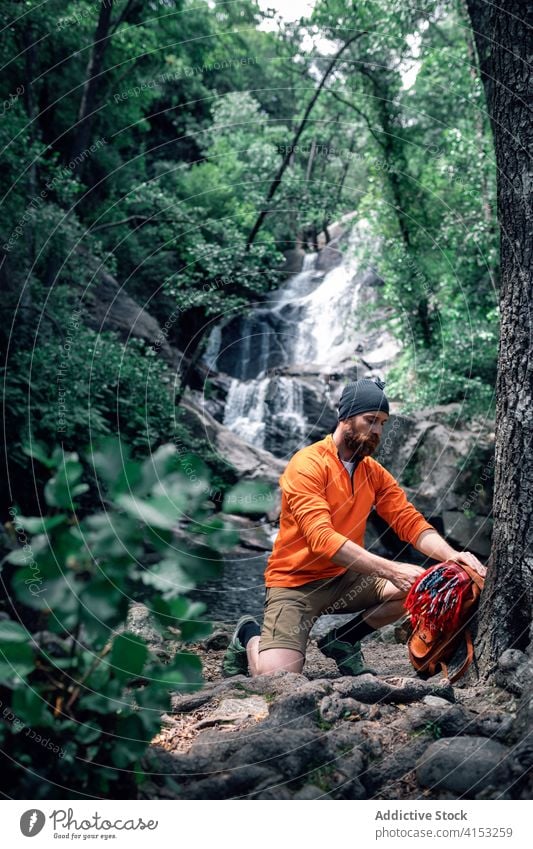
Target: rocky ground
(322, 736)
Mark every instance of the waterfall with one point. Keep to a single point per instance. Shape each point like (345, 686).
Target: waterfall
(244, 412)
(280, 355)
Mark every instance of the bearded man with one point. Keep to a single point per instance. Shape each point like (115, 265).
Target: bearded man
(319, 564)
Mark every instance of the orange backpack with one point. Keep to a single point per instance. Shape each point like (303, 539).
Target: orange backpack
(441, 603)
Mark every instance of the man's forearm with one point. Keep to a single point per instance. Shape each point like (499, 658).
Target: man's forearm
(355, 557)
(433, 545)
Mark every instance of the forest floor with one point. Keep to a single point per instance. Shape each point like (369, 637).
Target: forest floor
(322, 736)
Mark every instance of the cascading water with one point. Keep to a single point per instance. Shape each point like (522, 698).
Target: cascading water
(281, 354)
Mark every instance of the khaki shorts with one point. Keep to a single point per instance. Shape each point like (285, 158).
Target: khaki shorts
(290, 612)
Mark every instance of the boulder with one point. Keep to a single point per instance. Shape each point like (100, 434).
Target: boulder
(254, 463)
(464, 766)
(394, 766)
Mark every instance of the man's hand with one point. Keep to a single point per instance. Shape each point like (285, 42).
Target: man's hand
(470, 560)
(403, 575)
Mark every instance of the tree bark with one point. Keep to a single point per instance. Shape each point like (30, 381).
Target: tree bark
(503, 41)
(82, 131)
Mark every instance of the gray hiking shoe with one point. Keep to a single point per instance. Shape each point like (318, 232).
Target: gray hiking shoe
(349, 658)
(235, 661)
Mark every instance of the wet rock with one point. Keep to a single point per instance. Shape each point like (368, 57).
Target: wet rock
(247, 460)
(464, 765)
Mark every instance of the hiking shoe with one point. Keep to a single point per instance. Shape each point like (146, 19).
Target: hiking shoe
(235, 661)
(349, 658)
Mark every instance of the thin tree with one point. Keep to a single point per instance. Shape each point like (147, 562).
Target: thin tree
(276, 182)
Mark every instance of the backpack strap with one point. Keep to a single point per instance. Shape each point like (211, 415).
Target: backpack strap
(466, 663)
(473, 575)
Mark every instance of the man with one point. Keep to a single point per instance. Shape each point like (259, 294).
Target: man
(318, 564)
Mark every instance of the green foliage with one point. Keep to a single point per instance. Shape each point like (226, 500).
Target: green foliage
(71, 670)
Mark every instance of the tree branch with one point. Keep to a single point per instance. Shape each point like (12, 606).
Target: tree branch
(274, 186)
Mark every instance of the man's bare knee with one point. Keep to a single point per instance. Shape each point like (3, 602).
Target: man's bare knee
(276, 660)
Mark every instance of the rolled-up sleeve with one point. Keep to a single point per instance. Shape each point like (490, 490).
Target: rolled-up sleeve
(306, 499)
(393, 506)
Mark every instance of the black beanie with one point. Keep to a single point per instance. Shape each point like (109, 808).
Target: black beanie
(363, 396)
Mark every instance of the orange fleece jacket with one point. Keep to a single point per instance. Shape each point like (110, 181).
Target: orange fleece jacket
(321, 508)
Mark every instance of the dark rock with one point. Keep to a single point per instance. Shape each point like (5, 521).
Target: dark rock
(495, 725)
(274, 794)
(238, 783)
(464, 765)
(291, 752)
(394, 766)
(346, 779)
(444, 722)
(334, 707)
(515, 672)
(309, 792)
(365, 688)
(368, 688)
(329, 257)
(346, 736)
(298, 708)
(141, 622)
(217, 640)
(471, 532)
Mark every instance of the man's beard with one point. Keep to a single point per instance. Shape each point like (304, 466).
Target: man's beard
(360, 445)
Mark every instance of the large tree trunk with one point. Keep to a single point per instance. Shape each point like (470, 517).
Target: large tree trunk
(503, 41)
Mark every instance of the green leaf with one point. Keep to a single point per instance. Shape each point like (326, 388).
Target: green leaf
(38, 451)
(61, 489)
(87, 733)
(157, 467)
(184, 672)
(168, 577)
(31, 708)
(12, 632)
(194, 630)
(102, 605)
(128, 656)
(249, 498)
(112, 463)
(40, 524)
(16, 659)
(154, 513)
(202, 562)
